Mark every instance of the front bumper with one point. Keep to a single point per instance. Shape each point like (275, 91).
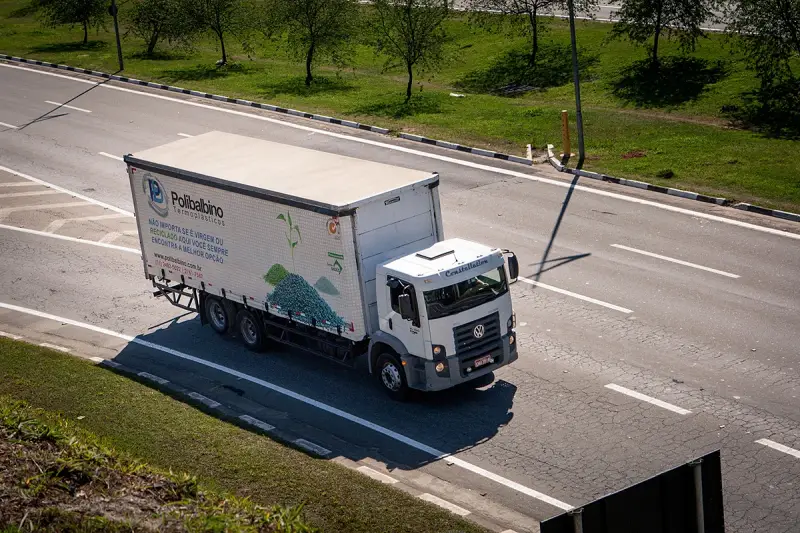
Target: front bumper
(421, 373)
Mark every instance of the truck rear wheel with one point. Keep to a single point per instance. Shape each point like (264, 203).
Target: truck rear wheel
(250, 330)
(218, 315)
(392, 377)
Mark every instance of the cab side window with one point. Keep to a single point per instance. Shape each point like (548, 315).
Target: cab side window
(398, 287)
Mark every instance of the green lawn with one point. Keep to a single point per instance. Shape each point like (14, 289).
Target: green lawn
(171, 435)
(675, 123)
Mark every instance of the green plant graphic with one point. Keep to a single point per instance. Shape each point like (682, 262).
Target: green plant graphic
(291, 229)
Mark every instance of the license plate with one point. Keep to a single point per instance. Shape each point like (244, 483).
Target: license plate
(482, 360)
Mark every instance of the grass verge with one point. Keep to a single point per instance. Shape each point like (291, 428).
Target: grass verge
(675, 123)
(172, 436)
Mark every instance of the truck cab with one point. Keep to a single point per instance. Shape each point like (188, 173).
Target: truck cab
(445, 317)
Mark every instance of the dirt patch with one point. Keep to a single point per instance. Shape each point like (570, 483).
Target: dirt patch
(51, 480)
(634, 154)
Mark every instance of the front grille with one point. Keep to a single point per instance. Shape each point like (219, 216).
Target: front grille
(468, 346)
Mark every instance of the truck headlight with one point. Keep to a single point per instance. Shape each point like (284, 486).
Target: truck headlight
(512, 321)
(438, 350)
(440, 367)
(511, 340)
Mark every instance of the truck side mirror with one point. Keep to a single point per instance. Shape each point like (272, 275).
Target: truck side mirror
(406, 307)
(513, 268)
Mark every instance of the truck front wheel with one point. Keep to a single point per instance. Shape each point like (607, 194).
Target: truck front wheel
(250, 330)
(392, 377)
(218, 315)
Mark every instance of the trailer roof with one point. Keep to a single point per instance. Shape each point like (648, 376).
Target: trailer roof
(279, 172)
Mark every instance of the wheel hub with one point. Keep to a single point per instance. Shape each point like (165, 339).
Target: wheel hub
(217, 315)
(390, 376)
(249, 331)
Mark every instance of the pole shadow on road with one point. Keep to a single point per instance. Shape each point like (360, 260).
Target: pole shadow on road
(450, 421)
(554, 233)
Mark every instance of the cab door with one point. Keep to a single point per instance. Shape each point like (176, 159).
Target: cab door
(407, 329)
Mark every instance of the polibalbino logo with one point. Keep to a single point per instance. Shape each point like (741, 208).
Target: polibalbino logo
(156, 195)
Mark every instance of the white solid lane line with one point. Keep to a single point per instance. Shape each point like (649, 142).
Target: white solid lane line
(648, 399)
(28, 193)
(678, 261)
(444, 504)
(429, 155)
(574, 295)
(780, 447)
(112, 156)
(4, 125)
(304, 399)
(71, 239)
(19, 184)
(67, 106)
(185, 135)
(62, 189)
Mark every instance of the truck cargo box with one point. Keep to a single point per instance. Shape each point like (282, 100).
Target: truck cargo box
(292, 231)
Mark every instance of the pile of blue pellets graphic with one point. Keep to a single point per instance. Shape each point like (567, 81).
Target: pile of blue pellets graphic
(294, 294)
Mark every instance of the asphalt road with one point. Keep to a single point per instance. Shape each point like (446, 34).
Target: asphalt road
(714, 335)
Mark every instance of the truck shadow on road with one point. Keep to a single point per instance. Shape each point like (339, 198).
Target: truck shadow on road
(450, 421)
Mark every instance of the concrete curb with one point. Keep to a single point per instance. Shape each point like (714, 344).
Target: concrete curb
(467, 149)
(794, 217)
(248, 103)
(633, 183)
(216, 409)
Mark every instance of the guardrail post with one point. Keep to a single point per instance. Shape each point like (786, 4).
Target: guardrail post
(698, 495)
(577, 520)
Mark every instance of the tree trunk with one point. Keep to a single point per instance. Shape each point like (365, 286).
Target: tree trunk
(151, 45)
(410, 83)
(85, 33)
(654, 58)
(222, 45)
(309, 60)
(534, 22)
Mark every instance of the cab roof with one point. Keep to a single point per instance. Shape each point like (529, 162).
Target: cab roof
(448, 258)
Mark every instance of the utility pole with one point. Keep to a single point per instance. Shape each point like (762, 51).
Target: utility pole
(577, 82)
(113, 10)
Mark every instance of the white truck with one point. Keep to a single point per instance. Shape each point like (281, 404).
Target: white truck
(334, 255)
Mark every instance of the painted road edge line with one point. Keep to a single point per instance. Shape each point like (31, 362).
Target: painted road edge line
(574, 295)
(377, 476)
(10, 336)
(72, 239)
(67, 106)
(54, 347)
(304, 399)
(444, 504)
(185, 135)
(794, 217)
(677, 261)
(780, 447)
(112, 156)
(11, 126)
(62, 189)
(648, 399)
(438, 157)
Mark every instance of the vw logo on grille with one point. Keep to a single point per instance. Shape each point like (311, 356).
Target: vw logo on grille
(479, 331)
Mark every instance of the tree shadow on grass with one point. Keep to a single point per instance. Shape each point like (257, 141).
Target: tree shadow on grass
(77, 46)
(512, 74)
(677, 80)
(160, 55)
(773, 111)
(204, 72)
(396, 107)
(296, 86)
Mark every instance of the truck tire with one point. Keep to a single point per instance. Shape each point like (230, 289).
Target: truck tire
(392, 377)
(250, 330)
(218, 314)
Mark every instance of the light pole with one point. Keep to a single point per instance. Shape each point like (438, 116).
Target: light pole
(577, 82)
(113, 10)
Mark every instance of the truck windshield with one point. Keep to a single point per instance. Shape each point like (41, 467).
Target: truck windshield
(465, 294)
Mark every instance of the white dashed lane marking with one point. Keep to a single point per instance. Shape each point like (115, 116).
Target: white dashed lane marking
(54, 347)
(676, 261)
(57, 224)
(574, 295)
(112, 156)
(4, 125)
(67, 106)
(185, 135)
(67, 238)
(28, 193)
(780, 447)
(648, 399)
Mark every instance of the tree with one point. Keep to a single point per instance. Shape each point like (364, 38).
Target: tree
(220, 17)
(768, 33)
(320, 28)
(84, 12)
(522, 13)
(157, 20)
(411, 32)
(643, 20)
